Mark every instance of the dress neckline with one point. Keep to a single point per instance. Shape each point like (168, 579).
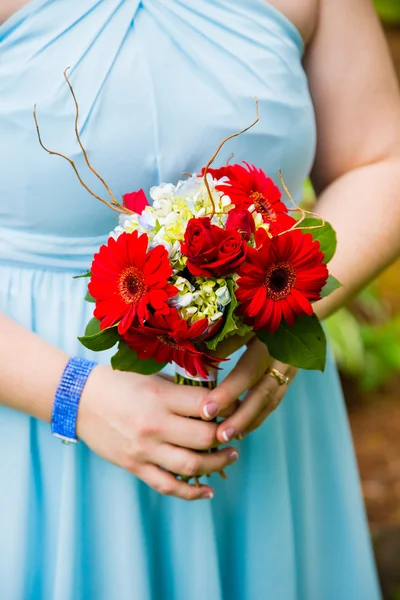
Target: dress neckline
(33, 5)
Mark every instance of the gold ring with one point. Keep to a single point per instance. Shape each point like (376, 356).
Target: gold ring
(278, 376)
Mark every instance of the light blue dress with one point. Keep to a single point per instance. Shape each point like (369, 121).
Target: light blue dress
(160, 83)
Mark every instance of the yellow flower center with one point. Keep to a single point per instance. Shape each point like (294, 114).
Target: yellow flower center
(262, 205)
(132, 285)
(167, 341)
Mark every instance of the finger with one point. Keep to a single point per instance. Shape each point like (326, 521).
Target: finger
(184, 400)
(190, 433)
(191, 464)
(167, 484)
(224, 414)
(261, 418)
(264, 414)
(249, 369)
(270, 407)
(261, 395)
(255, 401)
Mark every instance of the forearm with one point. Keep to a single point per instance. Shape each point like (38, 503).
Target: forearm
(30, 369)
(364, 207)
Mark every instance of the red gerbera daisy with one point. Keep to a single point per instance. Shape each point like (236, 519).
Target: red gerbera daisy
(168, 338)
(280, 279)
(226, 171)
(249, 186)
(127, 279)
(283, 222)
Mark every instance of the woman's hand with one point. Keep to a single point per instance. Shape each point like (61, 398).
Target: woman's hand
(140, 424)
(265, 393)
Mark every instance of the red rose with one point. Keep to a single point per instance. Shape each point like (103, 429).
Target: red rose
(241, 221)
(211, 250)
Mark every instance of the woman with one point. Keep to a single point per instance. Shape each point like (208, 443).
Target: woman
(160, 83)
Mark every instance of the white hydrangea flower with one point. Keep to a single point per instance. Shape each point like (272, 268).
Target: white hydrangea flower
(223, 295)
(147, 220)
(116, 232)
(128, 223)
(205, 298)
(173, 206)
(162, 191)
(195, 191)
(163, 206)
(173, 248)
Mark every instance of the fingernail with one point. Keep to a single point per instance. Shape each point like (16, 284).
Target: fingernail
(210, 410)
(228, 434)
(234, 456)
(208, 495)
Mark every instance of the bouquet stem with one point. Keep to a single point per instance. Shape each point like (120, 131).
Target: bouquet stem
(182, 380)
(209, 384)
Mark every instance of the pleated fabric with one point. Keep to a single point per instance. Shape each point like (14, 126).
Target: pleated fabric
(159, 83)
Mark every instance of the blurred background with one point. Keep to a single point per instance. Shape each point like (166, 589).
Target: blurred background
(365, 337)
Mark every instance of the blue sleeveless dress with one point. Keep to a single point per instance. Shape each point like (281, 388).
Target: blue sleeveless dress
(160, 83)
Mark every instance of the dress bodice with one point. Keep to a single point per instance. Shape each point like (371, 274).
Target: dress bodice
(159, 83)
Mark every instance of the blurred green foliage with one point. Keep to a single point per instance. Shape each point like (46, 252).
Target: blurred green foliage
(366, 340)
(388, 11)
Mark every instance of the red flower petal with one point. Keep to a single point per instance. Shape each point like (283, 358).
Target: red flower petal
(280, 279)
(119, 283)
(135, 201)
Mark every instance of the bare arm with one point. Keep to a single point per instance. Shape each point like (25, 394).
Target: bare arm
(30, 369)
(357, 167)
(136, 422)
(356, 175)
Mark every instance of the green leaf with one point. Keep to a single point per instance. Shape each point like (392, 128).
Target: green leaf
(127, 359)
(97, 340)
(88, 274)
(232, 323)
(302, 346)
(89, 298)
(325, 235)
(92, 327)
(331, 285)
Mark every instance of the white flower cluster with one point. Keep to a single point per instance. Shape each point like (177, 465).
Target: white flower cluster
(203, 298)
(173, 206)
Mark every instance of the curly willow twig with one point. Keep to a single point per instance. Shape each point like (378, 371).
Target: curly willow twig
(298, 209)
(114, 204)
(214, 156)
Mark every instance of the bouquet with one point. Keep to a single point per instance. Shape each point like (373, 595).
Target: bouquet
(215, 255)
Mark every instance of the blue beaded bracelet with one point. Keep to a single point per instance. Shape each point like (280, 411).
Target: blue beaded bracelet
(67, 397)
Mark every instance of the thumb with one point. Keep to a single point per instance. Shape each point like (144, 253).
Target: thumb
(248, 370)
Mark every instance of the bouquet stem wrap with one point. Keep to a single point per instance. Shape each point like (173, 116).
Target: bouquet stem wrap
(183, 378)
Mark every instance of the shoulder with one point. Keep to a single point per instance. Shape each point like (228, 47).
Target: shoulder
(9, 7)
(302, 13)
